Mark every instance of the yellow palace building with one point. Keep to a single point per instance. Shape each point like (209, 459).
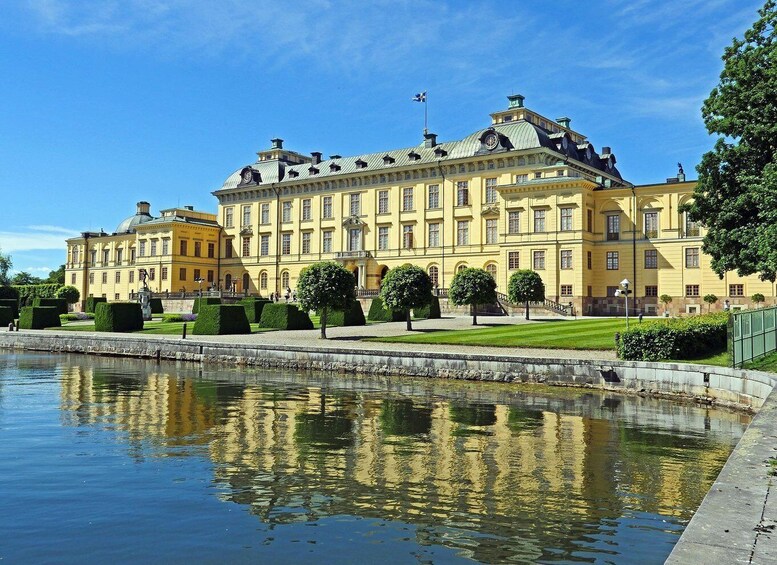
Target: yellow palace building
(524, 192)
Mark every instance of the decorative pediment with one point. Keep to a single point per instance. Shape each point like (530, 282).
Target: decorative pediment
(490, 210)
(353, 222)
(247, 231)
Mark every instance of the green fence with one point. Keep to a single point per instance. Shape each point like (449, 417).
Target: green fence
(751, 334)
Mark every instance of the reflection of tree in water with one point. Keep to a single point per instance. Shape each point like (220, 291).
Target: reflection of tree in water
(471, 416)
(325, 429)
(524, 419)
(400, 417)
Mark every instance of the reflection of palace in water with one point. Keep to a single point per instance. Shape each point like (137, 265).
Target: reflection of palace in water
(513, 470)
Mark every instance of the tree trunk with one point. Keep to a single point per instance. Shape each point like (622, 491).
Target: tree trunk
(527, 309)
(474, 314)
(407, 318)
(323, 322)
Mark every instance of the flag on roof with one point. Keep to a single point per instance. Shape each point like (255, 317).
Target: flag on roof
(421, 97)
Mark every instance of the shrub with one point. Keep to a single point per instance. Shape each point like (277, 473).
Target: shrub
(406, 287)
(93, 301)
(6, 316)
(354, 316)
(472, 286)
(9, 293)
(29, 292)
(202, 301)
(221, 319)
(429, 312)
(118, 317)
(59, 303)
(284, 317)
(76, 316)
(11, 303)
(166, 318)
(156, 306)
(377, 312)
(680, 338)
(253, 307)
(69, 293)
(39, 317)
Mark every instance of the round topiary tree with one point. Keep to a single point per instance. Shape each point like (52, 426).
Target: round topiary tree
(710, 299)
(326, 286)
(405, 288)
(665, 300)
(69, 293)
(758, 299)
(525, 286)
(472, 286)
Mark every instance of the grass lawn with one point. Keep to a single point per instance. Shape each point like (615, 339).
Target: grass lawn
(562, 334)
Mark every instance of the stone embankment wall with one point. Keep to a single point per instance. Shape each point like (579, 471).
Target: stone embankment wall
(719, 385)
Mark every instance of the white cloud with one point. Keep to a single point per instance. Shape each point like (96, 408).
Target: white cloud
(35, 238)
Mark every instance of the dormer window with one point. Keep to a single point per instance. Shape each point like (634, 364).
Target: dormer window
(313, 170)
(388, 159)
(440, 152)
(361, 164)
(293, 174)
(413, 156)
(334, 167)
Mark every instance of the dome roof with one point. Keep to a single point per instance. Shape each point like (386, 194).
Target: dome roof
(140, 217)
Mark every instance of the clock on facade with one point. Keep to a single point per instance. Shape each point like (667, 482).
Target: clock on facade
(247, 176)
(491, 141)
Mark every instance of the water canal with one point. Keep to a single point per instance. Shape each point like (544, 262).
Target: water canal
(114, 460)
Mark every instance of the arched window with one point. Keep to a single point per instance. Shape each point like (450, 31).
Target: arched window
(263, 280)
(434, 274)
(284, 280)
(491, 270)
(461, 267)
(246, 282)
(227, 282)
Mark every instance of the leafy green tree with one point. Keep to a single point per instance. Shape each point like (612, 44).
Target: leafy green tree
(736, 196)
(525, 286)
(405, 288)
(23, 277)
(665, 300)
(710, 299)
(56, 277)
(5, 266)
(326, 286)
(758, 298)
(69, 293)
(472, 286)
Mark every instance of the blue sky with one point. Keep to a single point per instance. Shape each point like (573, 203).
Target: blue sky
(108, 102)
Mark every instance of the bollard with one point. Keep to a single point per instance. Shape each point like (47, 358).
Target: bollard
(10, 326)
(617, 338)
(184, 331)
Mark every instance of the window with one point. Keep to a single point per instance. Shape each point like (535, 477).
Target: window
(165, 247)
(246, 216)
(196, 275)
(286, 244)
(117, 277)
(566, 290)
(462, 193)
(246, 246)
(521, 178)
(265, 213)
(611, 290)
(142, 250)
(106, 256)
(306, 242)
(691, 227)
(306, 213)
(692, 290)
(131, 277)
(326, 208)
(651, 259)
(210, 276)
(613, 227)
(153, 246)
(491, 231)
(198, 249)
(286, 211)
(263, 280)
(326, 241)
(264, 245)
(692, 258)
(182, 274)
(163, 273)
(184, 244)
(539, 221)
(566, 258)
(407, 236)
(211, 250)
(589, 220)
(91, 278)
(407, 199)
(354, 239)
(228, 249)
(285, 279)
(228, 217)
(736, 290)
(612, 261)
(434, 275)
(491, 270)
(651, 290)
(490, 191)
(151, 274)
(462, 232)
(116, 296)
(538, 260)
(514, 222)
(651, 224)
(513, 260)
(566, 219)
(434, 196)
(383, 238)
(75, 255)
(434, 235)
(589, 260)
(93, 255)
(383, 202)
(72, 278)
(355, 204)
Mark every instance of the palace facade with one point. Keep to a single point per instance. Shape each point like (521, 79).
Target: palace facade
(524, 192)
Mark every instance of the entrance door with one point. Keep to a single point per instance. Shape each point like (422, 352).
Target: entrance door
(356, 276)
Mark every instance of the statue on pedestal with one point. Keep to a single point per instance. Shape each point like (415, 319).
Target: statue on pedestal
(144, 295)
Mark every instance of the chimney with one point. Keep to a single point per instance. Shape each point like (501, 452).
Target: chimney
(430, 140)
(563, 122)
(516, 101)
(190, 208)
(277, 143)
(335, 156)
(606, 150)
(316, 157)
(144, 208)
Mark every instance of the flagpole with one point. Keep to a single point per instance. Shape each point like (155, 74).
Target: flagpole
(426, 130)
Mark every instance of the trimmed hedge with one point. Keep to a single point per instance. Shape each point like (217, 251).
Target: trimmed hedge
(6, 316)
(253, 307)
(352, 317)
(11, 303)
(9, 292)
(378, 313)
(29, 292)
(156, 306)
(39, 317)
(429, 312)
(118, 317)
(676, 338)
(202, 301)
(93, 301)
(59, 303)
(283, 316)
(221, 319)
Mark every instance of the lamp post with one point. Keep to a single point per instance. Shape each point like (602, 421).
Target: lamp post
(625, 292)
(199, 281)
